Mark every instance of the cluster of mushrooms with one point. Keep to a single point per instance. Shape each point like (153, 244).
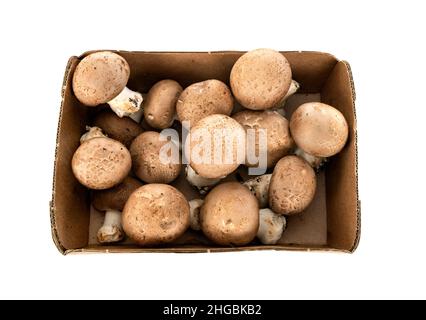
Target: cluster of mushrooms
(118, 158)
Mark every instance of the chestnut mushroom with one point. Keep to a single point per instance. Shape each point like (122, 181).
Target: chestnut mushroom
(120, 129)
(230, 215)
(101, 163)
(260, 79)
(292, 187)
(101, 77)
(319, 130)
(202, 99)
(148, 164)
(155, 214)
(276, 131)
(112, 201)
(160, 104)
(217, 146)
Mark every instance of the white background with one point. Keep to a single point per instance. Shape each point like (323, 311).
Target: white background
(383, 41)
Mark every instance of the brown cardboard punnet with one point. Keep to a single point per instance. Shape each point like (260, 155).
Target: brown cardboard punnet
(332, 221)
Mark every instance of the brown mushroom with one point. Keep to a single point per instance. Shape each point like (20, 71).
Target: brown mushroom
(319, 131)
(101, 77)
(120, 129)
(112, 202)
(260, 79)
(155, 214)
(277, 134)
(101, 163)
(160, 104)
(230, 215)
(202, 99)
(217, 146)
(148, 165)
(292, 187)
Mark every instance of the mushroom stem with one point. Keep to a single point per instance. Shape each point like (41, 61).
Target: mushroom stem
(92, 132)
(294, 86)
(111, 231)
(271, 226)
(126, 103)
(314, 161)
(137, 116)
(202, 184)
(194, 213)
(259, 186)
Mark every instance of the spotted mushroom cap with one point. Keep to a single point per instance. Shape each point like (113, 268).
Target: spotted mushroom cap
(160, 104)
(155, 214)
(279, 141)
(292, 187)
(100, 77)
(202, 99)
(231, 141)
(260, 79)
(101, 163)
(230, 215)
(146, 157)
(319, 129)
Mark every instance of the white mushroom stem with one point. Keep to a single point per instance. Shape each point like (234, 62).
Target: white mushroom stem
(194, 213)
(314, 161)
(271, 226)
(126, 103)
(111, 231)
(92, 132)
(259, 186)
(202, 184)
(294, 86)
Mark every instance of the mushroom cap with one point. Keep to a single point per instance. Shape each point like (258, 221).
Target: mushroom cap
(100, 77)
(292, 187)
(155, 214)
(101, 163)
(279, 141)
(147, 165)
(120, 129)
(230, 215)
(160, 104)
(115, 198)
(202, 99)
(319, 129)
(230, 141)
(260, 79)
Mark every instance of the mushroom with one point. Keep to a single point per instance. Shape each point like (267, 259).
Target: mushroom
(259, 186)
(194, 213)
(319, 130)
(292, 187)
(202, 184)
(216, 146)
(148, 164)
(101, 163)
(160, 104)
(101, 77)
(202, 99)
(155, 214)
(112, 202)
(277, 134)
(271, 226)
(120, 129)
(230, 215)
(260, 79)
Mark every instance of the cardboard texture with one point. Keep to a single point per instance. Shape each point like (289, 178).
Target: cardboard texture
(332, 221)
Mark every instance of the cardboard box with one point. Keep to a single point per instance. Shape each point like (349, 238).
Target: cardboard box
(332, 221)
